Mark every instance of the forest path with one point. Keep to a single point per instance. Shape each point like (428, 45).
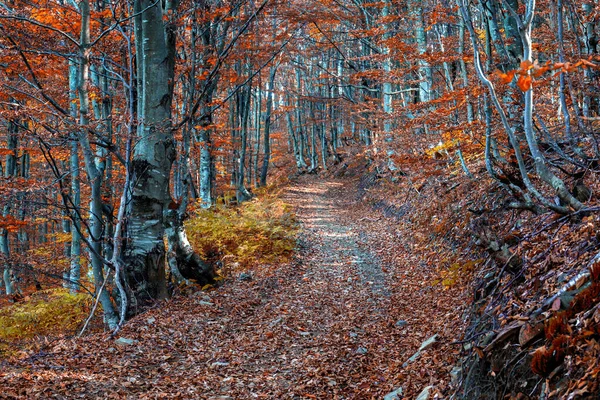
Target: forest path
(339, 322)
(321, 207)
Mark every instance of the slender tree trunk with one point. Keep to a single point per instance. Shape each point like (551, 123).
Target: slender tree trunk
(591, 43)
(10, 169)
(425, 72)
(267, 129)
(75, 248)
(463, 70)
(94, 170)
(206, 157)
(258, 119)
(242, 194)
(387, 68)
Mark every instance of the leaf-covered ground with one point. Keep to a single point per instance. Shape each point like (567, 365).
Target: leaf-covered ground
(340, 321)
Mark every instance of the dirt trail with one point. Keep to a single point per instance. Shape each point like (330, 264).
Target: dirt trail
(322, 209)
(335, 324)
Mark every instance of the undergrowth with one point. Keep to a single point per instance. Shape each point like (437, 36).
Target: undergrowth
(260, 231)
(52, 312)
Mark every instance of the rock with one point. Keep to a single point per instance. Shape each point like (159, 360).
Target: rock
(151, 320)
(507, 333)
(202, 294)
(429, 342)
(124, 341)
(245, 277)
(361, 350)
(424, 395)
(489, 275)
(530, 333)
(395, 395)
(455, 374)
(205, 303)
(424, 346)
(401, 323)
(219, 364)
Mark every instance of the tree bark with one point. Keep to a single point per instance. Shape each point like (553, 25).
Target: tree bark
(144, 252)
(267, 128)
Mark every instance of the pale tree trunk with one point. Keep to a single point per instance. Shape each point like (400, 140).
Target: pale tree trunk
(233, 127)
(75, 245)
(561, 58)
(24, 167)
(314, 155)
(425, 72)
(300, 131)
(524, 28)
(267, 129)
(540, 163)
(257, 128)
(144, 251)
(95, 170)
(463, 70)
(590, 42)
(204, 139)
(387, 68)
(297, 143)
(242, 194)
(10, 169)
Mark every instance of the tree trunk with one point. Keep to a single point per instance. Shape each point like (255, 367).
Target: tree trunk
(242, 194)
(144, 251)
(267, 129)
(94, 167)
(10, 170)
(75, 249)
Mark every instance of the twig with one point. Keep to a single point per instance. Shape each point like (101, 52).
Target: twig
(87, 321)
(584, 274)
(369, 219)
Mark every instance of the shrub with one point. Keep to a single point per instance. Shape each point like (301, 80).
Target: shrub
(262, 231)
(52, 312)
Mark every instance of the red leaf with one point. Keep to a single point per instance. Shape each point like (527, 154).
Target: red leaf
(524, 83)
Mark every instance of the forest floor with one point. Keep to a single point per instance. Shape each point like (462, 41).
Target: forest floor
(341, 321)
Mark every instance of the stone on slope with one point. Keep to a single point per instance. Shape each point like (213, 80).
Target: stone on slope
(424, 395)
(395, 395)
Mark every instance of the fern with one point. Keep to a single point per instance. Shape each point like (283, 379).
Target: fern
(259, 231)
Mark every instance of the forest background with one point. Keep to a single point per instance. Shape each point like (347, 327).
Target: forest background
(121, 119)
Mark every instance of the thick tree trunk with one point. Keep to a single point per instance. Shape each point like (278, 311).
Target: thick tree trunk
(144, 251)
